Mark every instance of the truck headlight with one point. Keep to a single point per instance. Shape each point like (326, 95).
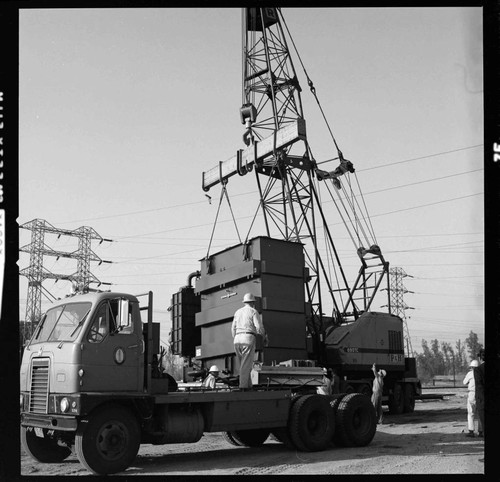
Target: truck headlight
(64, 404)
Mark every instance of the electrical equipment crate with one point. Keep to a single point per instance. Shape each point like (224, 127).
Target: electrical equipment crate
(273, 271)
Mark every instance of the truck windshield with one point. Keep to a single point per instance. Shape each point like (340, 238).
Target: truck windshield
(62, 323)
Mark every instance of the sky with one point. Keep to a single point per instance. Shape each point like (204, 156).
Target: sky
(121, 110)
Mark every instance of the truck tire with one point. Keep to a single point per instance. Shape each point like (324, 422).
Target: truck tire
(254, 437)
(396, 400)
(355, 421)
(109, 441)
(409, 398)
(45, 450)
(311, 423)
(228, 436)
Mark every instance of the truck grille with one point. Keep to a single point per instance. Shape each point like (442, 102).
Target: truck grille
(39, 392)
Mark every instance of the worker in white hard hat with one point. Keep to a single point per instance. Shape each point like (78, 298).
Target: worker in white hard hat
(377, 390)
(211, 379)
(471, 401)
(246, 325)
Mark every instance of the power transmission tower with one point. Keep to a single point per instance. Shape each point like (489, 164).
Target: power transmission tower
(36, 273)
(398, 306)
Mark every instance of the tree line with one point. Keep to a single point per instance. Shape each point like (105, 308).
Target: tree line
(441, 358)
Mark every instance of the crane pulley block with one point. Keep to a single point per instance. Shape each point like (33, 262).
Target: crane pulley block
(248, 112)
(260, 18)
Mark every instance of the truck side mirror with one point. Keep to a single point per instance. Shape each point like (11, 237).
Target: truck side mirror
(124, 315)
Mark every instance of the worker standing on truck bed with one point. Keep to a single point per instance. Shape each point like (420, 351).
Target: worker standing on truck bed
(246, 326)
(377, 389)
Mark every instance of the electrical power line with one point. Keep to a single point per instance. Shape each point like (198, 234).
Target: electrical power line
(144, 211)
(420, 158)
(118, 238)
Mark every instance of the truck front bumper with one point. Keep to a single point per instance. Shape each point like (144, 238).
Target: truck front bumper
(50, 422)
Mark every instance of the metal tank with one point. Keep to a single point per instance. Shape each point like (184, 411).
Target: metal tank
(273, 271)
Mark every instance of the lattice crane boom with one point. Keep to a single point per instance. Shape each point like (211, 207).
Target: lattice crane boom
(287, 175)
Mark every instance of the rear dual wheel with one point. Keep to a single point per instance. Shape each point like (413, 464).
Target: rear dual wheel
(355, 421)
(311, 423)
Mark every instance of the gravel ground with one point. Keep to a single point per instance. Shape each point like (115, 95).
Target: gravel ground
(431, 440)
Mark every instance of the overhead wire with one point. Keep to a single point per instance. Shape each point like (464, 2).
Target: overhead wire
(144, 211)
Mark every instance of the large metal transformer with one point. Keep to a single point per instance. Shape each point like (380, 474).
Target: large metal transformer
(274, 272)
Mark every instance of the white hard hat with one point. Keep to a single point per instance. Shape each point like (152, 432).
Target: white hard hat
(383, 372)
(248, 298)
(474, 364)
(214, 368)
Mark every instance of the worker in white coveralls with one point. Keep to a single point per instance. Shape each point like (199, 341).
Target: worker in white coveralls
(245, 328)
(327, 387)
(211, 379)
(377, 389)
(471, 400)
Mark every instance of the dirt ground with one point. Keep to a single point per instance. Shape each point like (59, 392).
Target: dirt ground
(429, 441)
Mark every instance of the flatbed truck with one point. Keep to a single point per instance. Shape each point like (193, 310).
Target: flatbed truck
(91, 384)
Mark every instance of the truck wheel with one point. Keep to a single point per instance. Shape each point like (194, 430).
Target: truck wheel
(251, 437)
(409, 398)
(396, 400)
(46, 449)
(355, 421)
(228, 436)
(109, 441)
(311, 423)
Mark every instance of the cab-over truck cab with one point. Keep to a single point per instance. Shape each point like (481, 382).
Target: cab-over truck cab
(85, 344)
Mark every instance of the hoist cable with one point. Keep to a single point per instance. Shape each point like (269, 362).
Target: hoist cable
(215, 222)
(311, 87)
(358, 226)
(222, 195)
(369, 234)
(340, 213)
(313, 91)
(366, 209)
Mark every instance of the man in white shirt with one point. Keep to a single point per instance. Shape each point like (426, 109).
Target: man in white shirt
(246, 326)
(471, 399)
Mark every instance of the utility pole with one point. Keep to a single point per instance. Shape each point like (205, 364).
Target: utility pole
(36, 273)
(398, 306)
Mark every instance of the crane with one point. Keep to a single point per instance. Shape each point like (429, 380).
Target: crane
(289, 179)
